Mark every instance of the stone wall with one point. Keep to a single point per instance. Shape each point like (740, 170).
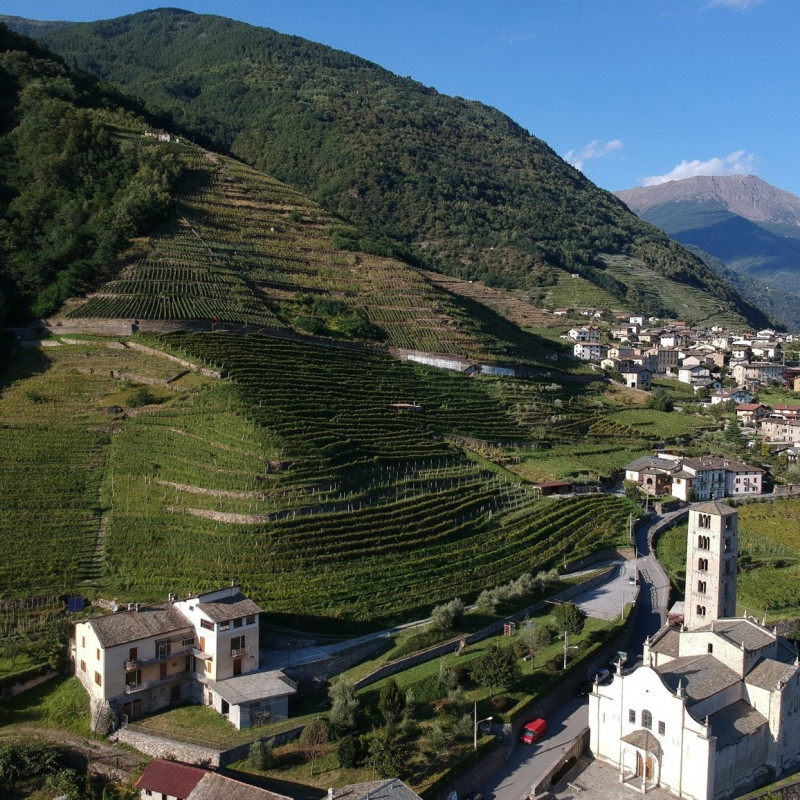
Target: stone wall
(580, 744)
(156, 747)
(449, 646)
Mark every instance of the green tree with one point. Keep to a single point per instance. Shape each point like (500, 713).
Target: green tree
(350, 752)
(448, 615)
(392, 702)
(568, 617)
(345, 705)
(534, 638)
(387, 754)
(313, 740)
(260, 756)
(660, 399)
(496, 667)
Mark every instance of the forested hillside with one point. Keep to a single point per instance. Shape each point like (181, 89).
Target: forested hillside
(454, 184)
(72, 192)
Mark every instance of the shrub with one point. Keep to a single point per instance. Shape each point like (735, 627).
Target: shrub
(448, 615)
(260, 755)
(351, 752)
(141, 397)
(500, 702)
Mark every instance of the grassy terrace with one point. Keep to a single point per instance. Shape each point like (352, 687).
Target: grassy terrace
(242, 247)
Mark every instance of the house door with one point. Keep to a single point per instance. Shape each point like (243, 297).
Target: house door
(237, 666)
(645, 767)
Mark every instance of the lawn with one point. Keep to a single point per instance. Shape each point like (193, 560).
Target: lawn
(60, 703)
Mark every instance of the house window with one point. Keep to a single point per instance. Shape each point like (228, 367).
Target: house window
(647, 720)
(251, 618)
(133, 678)
(704, 542)
(701, 587)
(238, 622)
(728, 523)
(224, 626)
(98, 678)
(710, 647)
(98, 653)
(701, 611)
(204, 623)
(133, 654)
(83, 666)
(83, 642)
(662, 728)
(727, 543)
(163, 649)
(631, 716)
(702, 564)
(237, 643)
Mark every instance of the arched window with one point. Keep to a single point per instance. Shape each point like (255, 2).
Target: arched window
(703, 520)
(647, 719)
(702, 564)
(701, 611)
(701, 587)
(704, 542)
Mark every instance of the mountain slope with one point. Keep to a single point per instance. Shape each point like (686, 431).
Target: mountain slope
(458, 185)
(71, 191)
(752, 227)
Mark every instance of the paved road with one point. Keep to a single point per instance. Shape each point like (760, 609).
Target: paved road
(526, 763)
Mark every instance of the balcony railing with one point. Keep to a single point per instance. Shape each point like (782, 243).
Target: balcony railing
(140, 687)
(241, 651)
(133, 664)
(161, 655)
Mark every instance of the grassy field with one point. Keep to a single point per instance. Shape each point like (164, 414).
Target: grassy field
(769, 558)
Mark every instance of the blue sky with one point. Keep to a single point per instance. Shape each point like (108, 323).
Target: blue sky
(630, 91)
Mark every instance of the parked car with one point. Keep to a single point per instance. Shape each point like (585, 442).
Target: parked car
(533, 731)
(584, 689)
(604, 676)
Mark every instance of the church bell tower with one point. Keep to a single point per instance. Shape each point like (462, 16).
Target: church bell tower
(711, 562)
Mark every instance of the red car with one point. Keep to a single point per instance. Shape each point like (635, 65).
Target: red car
(533, 731)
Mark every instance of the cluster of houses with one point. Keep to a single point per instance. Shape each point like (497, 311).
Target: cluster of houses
(690, 479)
(692, 355)
(779, 425)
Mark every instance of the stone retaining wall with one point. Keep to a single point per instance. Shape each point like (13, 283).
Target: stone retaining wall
(580, 744)
(449, 646)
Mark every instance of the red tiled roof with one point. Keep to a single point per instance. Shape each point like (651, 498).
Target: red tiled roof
(170, 778)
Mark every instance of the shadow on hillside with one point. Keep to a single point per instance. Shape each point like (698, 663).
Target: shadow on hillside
(313, 624)
(18, 363)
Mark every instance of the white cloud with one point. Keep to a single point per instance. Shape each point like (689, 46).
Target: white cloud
(742, 4)
(595, 149)
(738, 163)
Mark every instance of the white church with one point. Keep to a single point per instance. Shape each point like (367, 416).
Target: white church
(714, 709)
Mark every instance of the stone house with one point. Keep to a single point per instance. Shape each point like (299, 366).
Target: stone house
(203, 648)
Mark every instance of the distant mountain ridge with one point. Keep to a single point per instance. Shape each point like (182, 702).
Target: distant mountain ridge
(454, 185)
(746, 223)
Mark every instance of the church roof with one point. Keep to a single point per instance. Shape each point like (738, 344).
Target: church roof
(742, 631)
(768, 673)
(666, 642)
(735, 721)
(700, 676)
(712, 506)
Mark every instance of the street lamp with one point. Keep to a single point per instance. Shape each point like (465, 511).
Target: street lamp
(475, 726)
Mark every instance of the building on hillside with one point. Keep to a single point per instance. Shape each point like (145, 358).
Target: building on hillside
(704, 478)
(589, 352)
(785, 412)
(750, 413)
(587, 333)
(712, 478)
(774, 429)
(637, 377)
(736, 395)
(712, 711)
(203, 648)
(760, 372)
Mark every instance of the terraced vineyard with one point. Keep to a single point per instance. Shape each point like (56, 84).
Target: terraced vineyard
(242, 248)
(329, 500)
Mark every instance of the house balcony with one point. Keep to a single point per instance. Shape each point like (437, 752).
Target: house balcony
(238, 652)
(161, 655)
(133, 688)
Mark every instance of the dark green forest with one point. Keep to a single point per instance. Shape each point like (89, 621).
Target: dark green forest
(455, 185)
(73, 188)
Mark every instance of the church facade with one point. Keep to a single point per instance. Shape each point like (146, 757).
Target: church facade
(715, 707)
